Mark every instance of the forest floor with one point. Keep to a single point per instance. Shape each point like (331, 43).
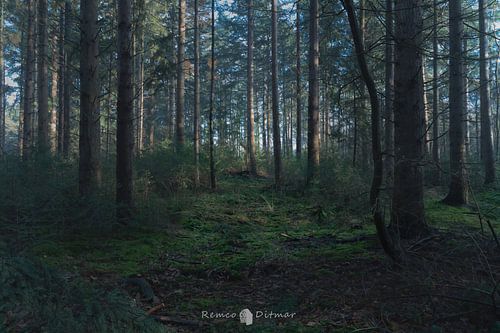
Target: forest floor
(247, 246)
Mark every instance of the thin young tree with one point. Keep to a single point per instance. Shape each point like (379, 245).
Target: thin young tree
(389, 94)
(196, 116)
(250, 101)
(457, 194)
(181, 39)
(213, 181)
(313, 102)
(298, 87)
(436, 177)
(124, 127)
(408, 192)
(486, 142)
(274, 93)
(90, 131)
(68, 80)
(28, 82)
(43, 138)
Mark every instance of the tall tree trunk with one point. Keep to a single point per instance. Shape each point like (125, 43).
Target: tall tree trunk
(375, 118)
(408, 193)
(125, 123)
(2, 74)
(298, 83)
(54, 94)
(486, 142)
(213, 182)
(313, 103)
(250, 102)
(28, 82)
(196, 118)
(90, 129)
(61, 80)
(457, 194)
(274, 92)
(109, 105)
(436, 177)
(179, 120)
(139, 58)
(389, 94)
(68, 81)
(43, 86)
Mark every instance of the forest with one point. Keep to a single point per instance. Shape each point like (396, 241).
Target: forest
(249, 166)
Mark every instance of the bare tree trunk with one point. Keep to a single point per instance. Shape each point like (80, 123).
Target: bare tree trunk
(274, 92)
(28, 82)
(139, 58)
(486, 143)
(53, 95)
(408, 193)
(375, 117)
(125, 123)
(313, 103)
(179, 120)
(196, 118)
(68, 81)
(250, 103)
(61, 80)
(109, 106)
(457, 194)
(436, 177)
(213, 182)
(43, 87)
(90, 131)
(2, 82)
(298, 83)
(389, 94)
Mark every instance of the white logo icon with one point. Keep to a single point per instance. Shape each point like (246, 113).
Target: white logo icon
(246, 317)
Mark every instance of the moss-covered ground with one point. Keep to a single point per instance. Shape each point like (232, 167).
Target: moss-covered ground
(246, 245)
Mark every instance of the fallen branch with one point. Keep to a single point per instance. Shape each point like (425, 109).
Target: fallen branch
(155, 308)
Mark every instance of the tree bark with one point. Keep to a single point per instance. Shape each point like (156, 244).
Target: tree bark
(28, 82)
(389, 94)
(250, 102)
(61, 81)
(125, 123)
(213, 181)
(298, 83)
(196, 118)
(313, 103)
(274, 93)
(43, 79)
(90, 131)
(54, 94)
(486, 141)
(139, 58)
(408, 193)
(457, 194)
(179, 120)
(68, 81)
(436, 176)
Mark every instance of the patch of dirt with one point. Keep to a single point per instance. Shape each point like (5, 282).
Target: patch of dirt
(448, 283)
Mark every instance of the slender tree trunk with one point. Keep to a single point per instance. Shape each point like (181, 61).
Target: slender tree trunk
(179, 120)
(250, 102)
(457, 194)
(125, 113)
(68, 81)
(213, 182)
(389, 94)
(53, 95)
(89, 140)
(2, 74)
(196, 118)
(43, 87)
(61, 80)
(298, 83)
(486, 142)
(28, 82)
(109, 105)
(465, 97)
(408, 193)
(274, 92)
(436, 177)
(139, 57)
(313, 103)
